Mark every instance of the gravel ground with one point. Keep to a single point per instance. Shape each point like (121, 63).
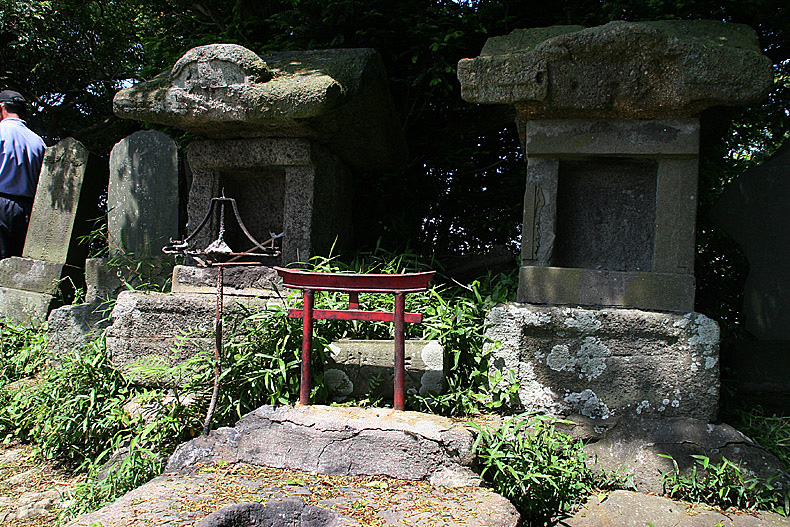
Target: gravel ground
(32, 491)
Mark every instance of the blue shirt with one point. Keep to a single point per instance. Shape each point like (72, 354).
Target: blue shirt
(21, 153)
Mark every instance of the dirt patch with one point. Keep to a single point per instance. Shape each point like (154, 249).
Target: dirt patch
(32, 491)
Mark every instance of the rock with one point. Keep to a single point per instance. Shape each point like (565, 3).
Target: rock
(636, 445)
(292, 511)
(630, 509)
(608, 362)
(152, 331)
(340, 441)
(143, 195)
(636, 70)
(70, 327)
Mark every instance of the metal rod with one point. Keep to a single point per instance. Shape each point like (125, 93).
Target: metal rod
(307, 346)
(399, 397)
(217, 351)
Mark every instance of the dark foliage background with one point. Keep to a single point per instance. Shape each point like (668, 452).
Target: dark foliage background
(462, 190)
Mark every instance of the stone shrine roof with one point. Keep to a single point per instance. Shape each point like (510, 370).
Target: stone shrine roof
(619, 70)
(338, 97)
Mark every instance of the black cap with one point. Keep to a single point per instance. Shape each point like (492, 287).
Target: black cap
(12, 96)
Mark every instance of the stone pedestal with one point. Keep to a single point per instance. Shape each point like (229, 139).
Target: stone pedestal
(604, 363)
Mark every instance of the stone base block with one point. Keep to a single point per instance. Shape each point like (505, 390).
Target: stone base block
(238, 281)
(365, 367)
(70, 327)
(150, 329)
(25, 307)
(591, 287)
(602, 363)
(28, 274)
(341, 441)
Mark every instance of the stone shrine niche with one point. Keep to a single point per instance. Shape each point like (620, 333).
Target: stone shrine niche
(609, 119)
(607, 221)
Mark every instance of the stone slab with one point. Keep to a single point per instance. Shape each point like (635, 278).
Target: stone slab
(25, 307)
(636, 446)
(630, 509)
(607, 362)
(579, 137)
(637, 70)
(337, 96)
(258, 281)
(592, 287)
(164, 328)
(143, 194)
(56, 209)
(27, 274)
(360, 368)
(70, 327)
(341, 441)
(183, 500)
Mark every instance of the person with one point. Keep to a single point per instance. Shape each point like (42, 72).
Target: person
(21, 154)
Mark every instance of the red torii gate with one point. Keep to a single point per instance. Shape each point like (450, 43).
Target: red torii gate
(353, 284)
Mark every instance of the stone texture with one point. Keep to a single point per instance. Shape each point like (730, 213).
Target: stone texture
(183, 500)
(591, 287)
(154, 329)
(285, 513)
(636, 445)
(143, 194)
(352, 366)
(25, 307)
(630, 509)
(70, 327)
(639, 70)
(340, 441)
(608, 362)
(337, 96)
(102, 280)
(290, 186)
(36, 276)
(236, 281)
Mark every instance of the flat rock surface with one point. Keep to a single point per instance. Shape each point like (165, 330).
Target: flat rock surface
(630, 509)
(343, 441)
(175, 499)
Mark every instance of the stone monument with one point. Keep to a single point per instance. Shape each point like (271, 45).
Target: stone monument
(609, 117)
(753, 210)
(143, 212)
(52, 260)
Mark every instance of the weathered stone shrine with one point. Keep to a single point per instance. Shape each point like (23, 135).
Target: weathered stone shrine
(609, 118)
(280, 134)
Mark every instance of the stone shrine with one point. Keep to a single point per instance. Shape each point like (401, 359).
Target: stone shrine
(609, 119)
(281, 134)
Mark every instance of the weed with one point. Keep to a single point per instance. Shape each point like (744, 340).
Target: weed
(725, 485)
(771, 432)
(541, 470)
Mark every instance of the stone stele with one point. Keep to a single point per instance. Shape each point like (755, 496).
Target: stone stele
(51, 262)
(338, 97)
(607, 362)
(636, 70)
(143, 194)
